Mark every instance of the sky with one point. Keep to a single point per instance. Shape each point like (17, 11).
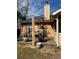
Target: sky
(36, 7)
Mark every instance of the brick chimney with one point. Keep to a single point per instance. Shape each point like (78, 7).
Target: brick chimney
(47, 11)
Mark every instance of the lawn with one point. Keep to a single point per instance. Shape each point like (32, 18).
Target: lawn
(29, 53)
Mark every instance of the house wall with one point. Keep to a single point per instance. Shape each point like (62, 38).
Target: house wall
(23, 30)
(50, 31)
(36, 27)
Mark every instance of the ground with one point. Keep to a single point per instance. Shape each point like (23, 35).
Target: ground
(24, 52)
(49, 51)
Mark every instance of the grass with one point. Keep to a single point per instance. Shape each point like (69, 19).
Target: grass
(29, 53)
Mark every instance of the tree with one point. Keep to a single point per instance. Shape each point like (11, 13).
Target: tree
(22, 7)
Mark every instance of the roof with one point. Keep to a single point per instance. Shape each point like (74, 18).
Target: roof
(38, 20)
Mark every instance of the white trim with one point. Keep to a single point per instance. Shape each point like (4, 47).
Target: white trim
(54, 13)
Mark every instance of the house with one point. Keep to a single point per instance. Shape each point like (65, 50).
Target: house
(49, 25)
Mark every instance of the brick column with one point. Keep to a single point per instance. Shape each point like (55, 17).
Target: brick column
(33, 31)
